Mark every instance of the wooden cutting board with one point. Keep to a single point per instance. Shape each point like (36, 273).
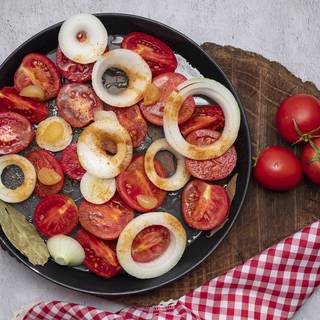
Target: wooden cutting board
(266, 216)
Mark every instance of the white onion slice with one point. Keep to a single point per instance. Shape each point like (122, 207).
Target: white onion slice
(96, 190)
(162, 264)
(65, 250)
(95, 43)
(177, 180)
(133, 65)
(91, 151)
(219, 93)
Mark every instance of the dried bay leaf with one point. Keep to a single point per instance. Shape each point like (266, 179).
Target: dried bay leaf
(23, 235)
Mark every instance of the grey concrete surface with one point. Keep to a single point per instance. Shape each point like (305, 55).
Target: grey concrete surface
(287, 31)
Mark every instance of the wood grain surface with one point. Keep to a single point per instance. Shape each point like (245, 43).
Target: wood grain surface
(266, 216)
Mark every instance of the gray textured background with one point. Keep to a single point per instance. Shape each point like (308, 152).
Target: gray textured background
(286, 31)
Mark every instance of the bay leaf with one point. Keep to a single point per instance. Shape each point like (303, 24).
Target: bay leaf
(23, 235)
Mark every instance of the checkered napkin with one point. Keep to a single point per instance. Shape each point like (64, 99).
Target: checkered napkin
(271, 285)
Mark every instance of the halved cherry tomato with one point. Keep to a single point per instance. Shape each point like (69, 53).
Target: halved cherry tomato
(203, 118)
(131, 119)
(56, 214)
(212, 169)
(44, 159)
(16, 132)
(105, 221)
(156, 53)
(70, 162)
(74, 72)
(134, 183)
(150, 243)
(37, 69)
(167, 83)
(10, 100)
(204, 206)
(310, 160)
(100, 256)
(77, 104)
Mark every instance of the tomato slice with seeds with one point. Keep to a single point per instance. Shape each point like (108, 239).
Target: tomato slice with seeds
(34, 111)
(204, 117)
(150, 243)
(133, 185)
(167, 83)
(16, 132)
(73, 71)
(211, 169)
(204, 206)
(43, 159)
(56, 214)
(156, 53)
(77, 104)
(100, 256)
(70, 162)
(37, 69)
(131, 119)
(105, 221)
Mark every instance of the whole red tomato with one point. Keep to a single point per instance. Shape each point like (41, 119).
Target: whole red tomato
(278, 168)
(310, 160)
(298, 118)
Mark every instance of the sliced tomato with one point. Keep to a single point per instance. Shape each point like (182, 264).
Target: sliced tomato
(212, 169)
(131, 119)
(73, 71)
(150, 243)
(56, 214)
(204, 206)
(10, 100)
(167, 83)
(107, 220)
(77, 104)
(156, 53)
(70, 163)
(204, 117)
(16, 132)
(133, 185)
(100, 256)
(45, 160)
(37, 69)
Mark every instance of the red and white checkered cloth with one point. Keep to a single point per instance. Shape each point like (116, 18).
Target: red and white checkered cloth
(271, 285)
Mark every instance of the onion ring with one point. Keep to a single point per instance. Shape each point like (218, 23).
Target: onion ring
(24, 191)
(162, 264)
(83, 38)
(172, 183)
(133, 65)
(92, 144)
(230, 108)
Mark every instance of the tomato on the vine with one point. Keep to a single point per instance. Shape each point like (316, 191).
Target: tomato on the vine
(310, 160)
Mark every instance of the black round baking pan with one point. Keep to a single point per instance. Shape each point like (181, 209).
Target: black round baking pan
(199, 246)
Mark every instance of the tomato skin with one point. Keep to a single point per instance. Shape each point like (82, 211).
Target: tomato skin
(156, 53)
(105, 221)
(74, 72)
(167, 83)
(204, 206)
(56, 214)
(16, 133)
(203, 118)
(134, 181)
(77, 103)
(305, 110)
(150, 243)
(100, 256)
(131, 119)
(10, 100)
(37, 69)
(310, 160)
(277, 168)
(41, 159)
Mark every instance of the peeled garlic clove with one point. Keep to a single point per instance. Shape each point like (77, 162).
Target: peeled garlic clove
(147, 202)
(48, 176)
(152, 95)
(34, 92)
